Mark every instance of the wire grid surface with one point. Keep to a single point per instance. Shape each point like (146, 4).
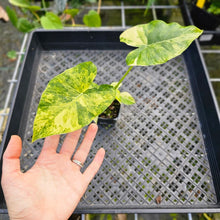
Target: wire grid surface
(155, 151)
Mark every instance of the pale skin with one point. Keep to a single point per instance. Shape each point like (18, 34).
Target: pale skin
(52, 188)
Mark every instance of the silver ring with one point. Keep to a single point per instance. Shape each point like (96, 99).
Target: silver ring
(78, 163)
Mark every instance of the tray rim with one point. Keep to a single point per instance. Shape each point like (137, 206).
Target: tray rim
(185, 209)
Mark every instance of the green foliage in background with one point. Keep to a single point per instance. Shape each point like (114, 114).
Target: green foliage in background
(51, 21)
(100, 217)
(149, 4)
(27, 15)
(78, 3)
(12, 54)
(92, 19)
(22, 24)
(72, 12)
(214, 7)
(25, 4)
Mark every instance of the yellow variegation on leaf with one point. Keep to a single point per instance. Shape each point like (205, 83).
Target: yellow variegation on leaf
(71, 101)
(157, 42)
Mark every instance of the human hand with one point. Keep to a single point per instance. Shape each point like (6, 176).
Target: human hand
(52, 188)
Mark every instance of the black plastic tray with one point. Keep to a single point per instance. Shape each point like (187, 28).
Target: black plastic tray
(167, 144)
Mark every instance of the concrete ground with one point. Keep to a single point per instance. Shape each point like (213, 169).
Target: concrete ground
(10, 39)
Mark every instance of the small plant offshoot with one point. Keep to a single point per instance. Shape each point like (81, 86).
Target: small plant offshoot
(72, 100)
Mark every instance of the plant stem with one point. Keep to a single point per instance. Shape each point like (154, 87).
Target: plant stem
(99, 6)
(73, 22)
(36, 15)
(44, 5)
(123, 77)
(76, 25)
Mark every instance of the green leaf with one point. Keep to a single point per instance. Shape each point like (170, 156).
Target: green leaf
(214, 8)
(25, 4)
(91, 1)
(36, 24)
(12, 16)
(157, 42)
(71, 101)
(92, 19)
(24, 25)
(12, 54)
(51, 21)
(73, 12)
(125, 98)
(25, 11)
(109, 217)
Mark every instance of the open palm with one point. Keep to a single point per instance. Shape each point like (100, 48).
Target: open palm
(52, 188)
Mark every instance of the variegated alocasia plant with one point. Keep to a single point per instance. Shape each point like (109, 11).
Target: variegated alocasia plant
(72, 100)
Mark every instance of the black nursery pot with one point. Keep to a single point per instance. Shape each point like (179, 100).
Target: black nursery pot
(204, 20)
(110, 116)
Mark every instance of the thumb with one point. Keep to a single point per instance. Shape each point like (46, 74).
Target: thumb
(11, 161)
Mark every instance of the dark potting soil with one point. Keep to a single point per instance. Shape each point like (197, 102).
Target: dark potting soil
(112, 111)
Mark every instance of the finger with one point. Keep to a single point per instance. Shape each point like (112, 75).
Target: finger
(51, 143)
(70, 143)
(11, 161)
(93, 168)
(82, 153)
